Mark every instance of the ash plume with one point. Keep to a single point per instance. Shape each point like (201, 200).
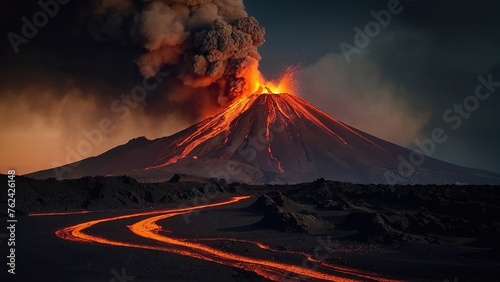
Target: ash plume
(65, 82)
(209, 44)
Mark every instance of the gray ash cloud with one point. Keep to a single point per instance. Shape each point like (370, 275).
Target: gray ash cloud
(210, 44)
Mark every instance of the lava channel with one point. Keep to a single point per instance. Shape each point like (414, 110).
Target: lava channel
(270, 269)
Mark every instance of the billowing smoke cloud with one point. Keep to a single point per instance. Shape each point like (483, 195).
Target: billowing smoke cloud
(358, 95)
(63, 85)
(207, 43)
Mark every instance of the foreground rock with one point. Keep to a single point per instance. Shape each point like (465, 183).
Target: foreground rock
(286, 215)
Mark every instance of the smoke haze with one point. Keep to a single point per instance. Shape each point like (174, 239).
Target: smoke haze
(362, 98)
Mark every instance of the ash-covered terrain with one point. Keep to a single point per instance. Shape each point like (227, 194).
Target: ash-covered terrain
(415, 233)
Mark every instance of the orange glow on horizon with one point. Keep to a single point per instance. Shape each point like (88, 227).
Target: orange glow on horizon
(58, 213)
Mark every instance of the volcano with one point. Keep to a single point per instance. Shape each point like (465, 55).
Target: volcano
(270, 138)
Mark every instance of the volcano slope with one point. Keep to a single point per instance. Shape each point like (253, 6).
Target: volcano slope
(270, 138)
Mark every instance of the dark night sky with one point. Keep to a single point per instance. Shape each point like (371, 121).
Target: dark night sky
(433, 49)
(426, 59)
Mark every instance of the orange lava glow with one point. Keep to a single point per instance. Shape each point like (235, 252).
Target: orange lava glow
(220, 123)
(286, 83)
(57, 213)
(270, 269)
(210, 128)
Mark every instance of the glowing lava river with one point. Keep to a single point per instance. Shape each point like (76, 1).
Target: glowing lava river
(153, 237)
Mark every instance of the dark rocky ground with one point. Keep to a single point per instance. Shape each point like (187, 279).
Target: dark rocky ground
(415, 233)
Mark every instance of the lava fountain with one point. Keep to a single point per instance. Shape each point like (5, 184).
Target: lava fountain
(286, 83)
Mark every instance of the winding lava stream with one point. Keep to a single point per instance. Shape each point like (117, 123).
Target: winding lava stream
(270, 269)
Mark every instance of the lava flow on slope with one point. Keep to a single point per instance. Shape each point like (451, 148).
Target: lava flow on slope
(270, 137)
